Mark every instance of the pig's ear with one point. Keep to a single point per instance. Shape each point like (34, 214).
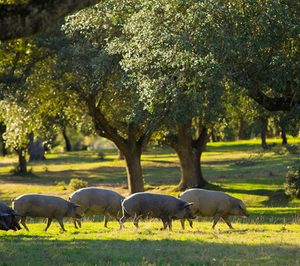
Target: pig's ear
(75, 205)
(241, 206)
(187, 204)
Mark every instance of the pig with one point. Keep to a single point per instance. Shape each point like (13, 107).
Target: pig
(9, 219)
(215, 204)
(94, 201)
(164, 207)
(50, 207)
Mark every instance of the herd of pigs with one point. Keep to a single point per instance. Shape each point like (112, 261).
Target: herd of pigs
(93, 201)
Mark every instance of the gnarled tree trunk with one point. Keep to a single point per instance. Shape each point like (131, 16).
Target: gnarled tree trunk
(131, 146)
(134, 169)
(189, 152)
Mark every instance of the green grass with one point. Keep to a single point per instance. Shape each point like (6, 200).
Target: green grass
(271, 236)
(248, 244)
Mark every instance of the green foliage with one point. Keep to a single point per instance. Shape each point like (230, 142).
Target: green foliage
(19, 124)
(292, 184)
(76, 183)
(174, 72)
(256, 44)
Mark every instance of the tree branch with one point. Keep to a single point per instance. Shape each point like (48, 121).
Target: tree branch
(272, 104)
(18, 21)
(102, 126)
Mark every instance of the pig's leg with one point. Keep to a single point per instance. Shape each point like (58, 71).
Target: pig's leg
(136, 221)
(191, 223)
(123, 218)
(75, 223)
(182, 223)
(78, 222)
(226, 219)
(23, 222)
(170, 224)
(49, 220)
(165, 221)
(61, 223)
(106, 219)
(217, 217)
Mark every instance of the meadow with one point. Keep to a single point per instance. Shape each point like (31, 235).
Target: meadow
(270, 236)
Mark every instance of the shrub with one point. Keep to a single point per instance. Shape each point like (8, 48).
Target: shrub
(292, 184)
(61, 185)
(76, 183)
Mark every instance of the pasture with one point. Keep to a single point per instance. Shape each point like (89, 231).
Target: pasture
(271, 236)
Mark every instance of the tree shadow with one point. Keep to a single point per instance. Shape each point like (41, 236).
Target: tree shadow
(30, 250)
(72, 159)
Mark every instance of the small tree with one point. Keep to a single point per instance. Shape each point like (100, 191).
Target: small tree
(19, 125)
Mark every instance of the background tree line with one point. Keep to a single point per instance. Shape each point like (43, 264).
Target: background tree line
(177, 73)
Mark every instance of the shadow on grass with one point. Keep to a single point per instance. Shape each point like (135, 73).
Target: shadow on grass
(28, 251)
(95, 175)
(73, 159)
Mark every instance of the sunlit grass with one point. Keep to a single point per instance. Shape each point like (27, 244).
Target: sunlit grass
(247, 244)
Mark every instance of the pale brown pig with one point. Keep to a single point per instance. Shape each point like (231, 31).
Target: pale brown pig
(215, 204)
(148, 205)
(51, 207)
(93, 201)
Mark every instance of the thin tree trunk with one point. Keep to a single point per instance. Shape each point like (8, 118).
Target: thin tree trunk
(283, 136)
(3, 148)
(241, 131)
(2, 141)
(68, 146)
(263, 131)
(22, 167)
(189, 153)
(213, 136)
(120, 155)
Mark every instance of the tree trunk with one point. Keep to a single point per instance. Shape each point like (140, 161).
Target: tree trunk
(263, 131)
(131, 146)
(120, 155)
(36, 149)
(213, 136)
(68, 146)
(2, 141)
(3, 149)
(22, 167)
(283, 136)
(241, 129)
(189, 153)
(134, 170)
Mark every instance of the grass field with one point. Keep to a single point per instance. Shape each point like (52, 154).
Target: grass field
(271, 236)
